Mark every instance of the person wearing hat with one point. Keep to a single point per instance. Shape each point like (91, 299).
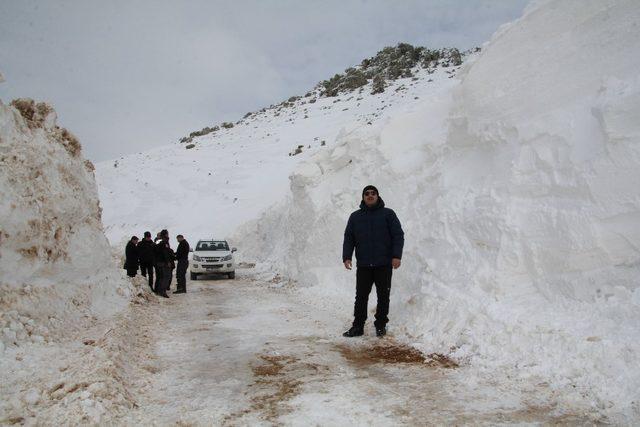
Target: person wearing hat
(146, 250)
(131, 257)
(375, 233)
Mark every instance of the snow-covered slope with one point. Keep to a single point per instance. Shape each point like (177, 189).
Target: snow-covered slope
(232, 175)
(519, 199)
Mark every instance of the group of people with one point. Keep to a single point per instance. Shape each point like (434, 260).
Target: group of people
(373, 231)
(156, 255)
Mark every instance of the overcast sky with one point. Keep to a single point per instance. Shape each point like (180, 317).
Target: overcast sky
(126, 76)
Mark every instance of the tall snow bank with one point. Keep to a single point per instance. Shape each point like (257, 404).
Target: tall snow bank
(56, 270)
(518, 193)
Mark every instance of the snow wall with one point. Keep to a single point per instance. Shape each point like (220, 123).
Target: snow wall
(518, 194)
(56, 267)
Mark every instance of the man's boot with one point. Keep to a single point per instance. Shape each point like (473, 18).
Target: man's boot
(354, 331)
(381, 331)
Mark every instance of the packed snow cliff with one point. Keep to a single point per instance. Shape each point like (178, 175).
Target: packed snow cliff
(58, 279)
(55, 262)
(518, 192)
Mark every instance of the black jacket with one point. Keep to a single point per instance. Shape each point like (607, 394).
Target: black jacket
(182, 253)
(131, 256)
(163, 254)
(146, 250)
(376, 235)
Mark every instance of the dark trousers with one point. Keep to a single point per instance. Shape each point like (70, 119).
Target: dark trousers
(158, 277)
(181, 274)
(146, 269)
(365, 278)
(163, 278)
(169, 277)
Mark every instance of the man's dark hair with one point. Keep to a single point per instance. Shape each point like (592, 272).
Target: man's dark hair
(180, 236)
(134, 238)
(147, 234)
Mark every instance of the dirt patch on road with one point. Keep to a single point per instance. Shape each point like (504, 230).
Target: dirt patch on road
(279, 378)
(273, 366)
(274, 386)
(393, 353)
(437, 360)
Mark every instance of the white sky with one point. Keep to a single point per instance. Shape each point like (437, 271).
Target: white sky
(126, 76)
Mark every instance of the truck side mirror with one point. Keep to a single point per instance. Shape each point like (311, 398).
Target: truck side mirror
(234, 249)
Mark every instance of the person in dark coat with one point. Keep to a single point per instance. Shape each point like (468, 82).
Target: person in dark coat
(182, 256)
(164, 260)
(131, 257)
(376, 234)
(146, 252)
(156, 256)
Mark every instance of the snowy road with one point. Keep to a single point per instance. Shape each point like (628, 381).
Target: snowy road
(249, 353)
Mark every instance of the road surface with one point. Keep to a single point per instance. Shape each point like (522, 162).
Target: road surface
(245, 352)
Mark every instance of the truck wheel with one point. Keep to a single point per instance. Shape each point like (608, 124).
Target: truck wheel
(194, 276)
(232, 275)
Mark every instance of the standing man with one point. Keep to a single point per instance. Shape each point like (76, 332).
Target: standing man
(164, 259)
(146, 249)
(131, 257)
(156, 256)
(182, 255)
(376, 234)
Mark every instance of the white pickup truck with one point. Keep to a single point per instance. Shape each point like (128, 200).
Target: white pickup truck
(212, 257)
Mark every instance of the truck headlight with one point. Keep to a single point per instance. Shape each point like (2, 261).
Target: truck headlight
(196, 258)
(227, 258)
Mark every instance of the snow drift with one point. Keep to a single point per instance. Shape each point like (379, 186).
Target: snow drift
(518, 193)
(56, 268)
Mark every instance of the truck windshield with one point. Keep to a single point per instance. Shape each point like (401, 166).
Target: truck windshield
(212, 245)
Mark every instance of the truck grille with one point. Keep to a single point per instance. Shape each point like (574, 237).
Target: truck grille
(211, 265)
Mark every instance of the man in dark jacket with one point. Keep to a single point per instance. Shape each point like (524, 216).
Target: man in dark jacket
(164, 260)
(376, 234)
(146, 250)
(182, 255)
(155, 256)
(131, 257)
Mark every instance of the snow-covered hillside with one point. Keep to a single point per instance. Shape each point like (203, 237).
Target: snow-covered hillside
(515, 181)
(231, 175)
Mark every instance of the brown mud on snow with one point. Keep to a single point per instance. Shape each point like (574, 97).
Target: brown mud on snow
(393, 353)
(273, 365)
(271, 390)
(278, 378)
